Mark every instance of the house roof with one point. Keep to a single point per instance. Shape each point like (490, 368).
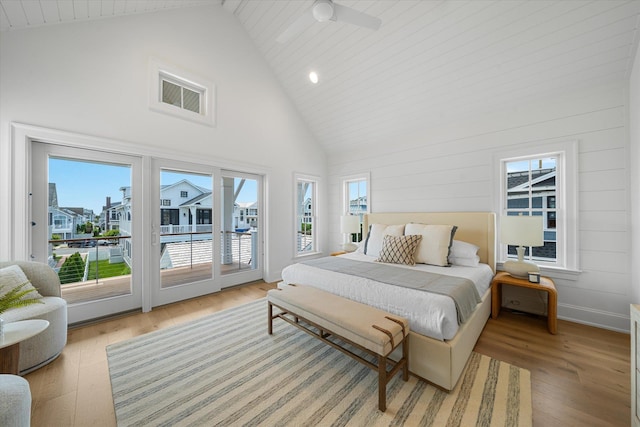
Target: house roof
(196, 199)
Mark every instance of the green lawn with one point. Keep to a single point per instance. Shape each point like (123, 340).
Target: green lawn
(107, 270)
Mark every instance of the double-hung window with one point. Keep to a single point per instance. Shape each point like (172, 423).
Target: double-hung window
(543, 183)
(306, 199)
(356, 198)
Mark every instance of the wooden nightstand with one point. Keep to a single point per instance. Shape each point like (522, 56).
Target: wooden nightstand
(546, 284)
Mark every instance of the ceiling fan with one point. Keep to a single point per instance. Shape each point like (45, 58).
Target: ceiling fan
(327, 10)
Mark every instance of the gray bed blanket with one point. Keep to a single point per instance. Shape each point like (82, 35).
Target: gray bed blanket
(461, 290)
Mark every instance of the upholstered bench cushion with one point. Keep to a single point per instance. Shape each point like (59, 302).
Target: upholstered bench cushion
(348, 319)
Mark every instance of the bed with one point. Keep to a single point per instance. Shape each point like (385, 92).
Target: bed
(439, 349)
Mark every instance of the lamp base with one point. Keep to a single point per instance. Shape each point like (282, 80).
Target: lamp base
(520, 268)
(349, 247)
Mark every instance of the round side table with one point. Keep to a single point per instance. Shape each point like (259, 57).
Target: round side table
(14, 333)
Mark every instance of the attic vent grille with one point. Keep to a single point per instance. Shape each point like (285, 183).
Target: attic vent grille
(181, 94)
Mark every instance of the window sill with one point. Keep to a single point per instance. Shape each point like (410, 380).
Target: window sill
(307, 255)
(555, 272)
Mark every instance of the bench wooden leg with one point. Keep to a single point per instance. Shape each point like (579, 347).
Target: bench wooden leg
(382, 383)
(270, 318)
(405, 356)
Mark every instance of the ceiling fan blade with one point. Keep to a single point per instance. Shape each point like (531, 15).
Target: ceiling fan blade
(352, 16)
(298, 26)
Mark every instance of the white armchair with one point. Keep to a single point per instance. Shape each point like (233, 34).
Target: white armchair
(47, 345)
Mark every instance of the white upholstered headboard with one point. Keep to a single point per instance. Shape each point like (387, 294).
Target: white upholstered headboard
(478, 228)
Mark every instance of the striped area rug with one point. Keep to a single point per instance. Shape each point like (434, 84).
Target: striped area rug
(225, 370)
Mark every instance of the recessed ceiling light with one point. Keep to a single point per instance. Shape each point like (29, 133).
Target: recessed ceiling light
(313, 76)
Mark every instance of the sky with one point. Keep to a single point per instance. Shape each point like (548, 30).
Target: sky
(523, 165)
(82, 184)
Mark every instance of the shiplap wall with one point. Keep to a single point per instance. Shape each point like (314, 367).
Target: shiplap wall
(452, 168)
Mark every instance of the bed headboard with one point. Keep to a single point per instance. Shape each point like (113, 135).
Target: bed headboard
(478, 228)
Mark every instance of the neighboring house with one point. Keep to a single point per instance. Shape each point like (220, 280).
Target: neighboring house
(358, 206)
(245, 215)
(543, 193)
(109, 219)
(63, 222)
(307, 211)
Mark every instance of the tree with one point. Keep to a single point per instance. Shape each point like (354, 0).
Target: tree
(72, 270)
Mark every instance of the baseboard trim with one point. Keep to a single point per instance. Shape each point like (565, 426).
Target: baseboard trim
(599, 318)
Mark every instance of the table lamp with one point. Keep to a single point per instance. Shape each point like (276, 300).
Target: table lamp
(521, 231)
(349, 224)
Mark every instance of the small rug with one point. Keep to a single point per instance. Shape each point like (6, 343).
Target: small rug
(224, 369)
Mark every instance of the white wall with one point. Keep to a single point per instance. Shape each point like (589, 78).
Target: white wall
(452, 168)
(634, 136)
(92, 78)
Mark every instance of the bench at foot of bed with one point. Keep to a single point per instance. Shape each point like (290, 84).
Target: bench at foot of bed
(325, 315)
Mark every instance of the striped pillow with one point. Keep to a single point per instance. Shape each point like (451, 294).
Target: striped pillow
(399, 249)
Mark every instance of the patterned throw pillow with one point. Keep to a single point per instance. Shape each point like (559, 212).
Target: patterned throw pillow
(13, 276)
(399, 249)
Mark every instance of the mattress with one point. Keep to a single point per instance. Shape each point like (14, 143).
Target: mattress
(429, 314)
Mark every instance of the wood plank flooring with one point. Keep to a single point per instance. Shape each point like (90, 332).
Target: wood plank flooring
(580, 377)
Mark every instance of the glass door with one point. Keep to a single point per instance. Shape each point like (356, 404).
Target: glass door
(240, 234)
(183, 231)
(86, 227)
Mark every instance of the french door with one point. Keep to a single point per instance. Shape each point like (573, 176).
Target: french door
(129, 231)
(87, 225)
(241, 227)
(184, 243)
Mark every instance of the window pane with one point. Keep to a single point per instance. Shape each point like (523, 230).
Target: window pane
(171, 94)
(239, 223)
(186, 239)
(191, 100)
(305, 216)
(531, 190)
(357, 202)
(90, 236)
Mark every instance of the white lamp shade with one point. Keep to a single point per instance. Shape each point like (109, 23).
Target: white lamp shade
(521, 230)
(349, 224)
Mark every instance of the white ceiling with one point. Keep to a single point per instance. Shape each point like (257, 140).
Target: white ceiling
(430, 62)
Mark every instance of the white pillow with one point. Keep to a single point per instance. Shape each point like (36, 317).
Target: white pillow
(465, 262)
(373, 244)
(460, 249)
(436, 241)
(13, 276)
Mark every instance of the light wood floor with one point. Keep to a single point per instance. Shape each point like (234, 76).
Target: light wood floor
(580, 377)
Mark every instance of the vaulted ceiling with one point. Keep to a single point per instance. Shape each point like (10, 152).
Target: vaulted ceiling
(430, 62)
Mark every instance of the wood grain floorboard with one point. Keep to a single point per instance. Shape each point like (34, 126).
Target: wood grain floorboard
(580, 377)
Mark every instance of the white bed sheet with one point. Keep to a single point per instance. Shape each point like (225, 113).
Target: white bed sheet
(429, 314)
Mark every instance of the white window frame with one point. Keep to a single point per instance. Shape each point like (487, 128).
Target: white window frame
(159, 71)
(315, 181)
(567, 249)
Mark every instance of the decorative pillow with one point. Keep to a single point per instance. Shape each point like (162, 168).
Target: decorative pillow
(465, 262)
(399, 249)
(13, 276)
(373, 244)
(460, 249)
(435, 244)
